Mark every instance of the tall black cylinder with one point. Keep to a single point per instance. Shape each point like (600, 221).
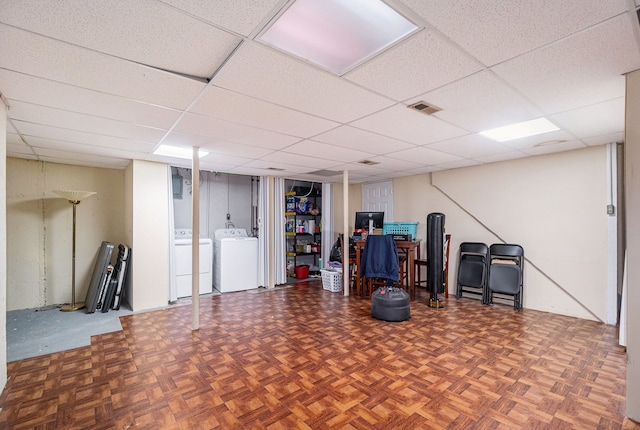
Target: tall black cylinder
(435, 256)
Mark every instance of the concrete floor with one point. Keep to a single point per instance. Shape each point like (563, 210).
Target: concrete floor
(33, 332)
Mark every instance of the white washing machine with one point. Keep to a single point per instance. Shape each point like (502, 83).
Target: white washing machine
(235, 261)
(183, 242)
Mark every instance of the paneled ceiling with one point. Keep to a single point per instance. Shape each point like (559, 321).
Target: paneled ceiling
(100, 83)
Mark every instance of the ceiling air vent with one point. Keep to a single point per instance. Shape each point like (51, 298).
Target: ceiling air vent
(324, 172)
(277, 169)
(425, 108)
(368, 162)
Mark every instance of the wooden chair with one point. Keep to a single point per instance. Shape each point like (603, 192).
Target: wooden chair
(353, 265)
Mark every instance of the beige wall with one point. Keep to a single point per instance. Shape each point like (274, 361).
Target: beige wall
(147, 212)
(355, 203)
(39, 229)
(552, 205)
(3, 246)
(632, 185)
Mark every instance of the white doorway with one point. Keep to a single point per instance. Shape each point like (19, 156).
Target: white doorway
(378, 197)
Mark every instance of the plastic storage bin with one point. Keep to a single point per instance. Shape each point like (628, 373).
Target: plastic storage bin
(400, 228)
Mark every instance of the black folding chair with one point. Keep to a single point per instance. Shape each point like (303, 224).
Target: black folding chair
(473, 262)
(506, 273)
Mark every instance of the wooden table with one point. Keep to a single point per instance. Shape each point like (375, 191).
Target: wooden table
(409, 247)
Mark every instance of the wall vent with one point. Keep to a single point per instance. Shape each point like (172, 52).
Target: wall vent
(425, 108)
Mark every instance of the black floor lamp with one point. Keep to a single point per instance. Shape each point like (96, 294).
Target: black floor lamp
(74, 198)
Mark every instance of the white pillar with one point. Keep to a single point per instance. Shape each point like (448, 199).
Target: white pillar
(345, 235)
(272, 233)
(195, 241)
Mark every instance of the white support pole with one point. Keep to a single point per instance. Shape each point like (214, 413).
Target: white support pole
(345, 233)
(195, 240)
(272, 233)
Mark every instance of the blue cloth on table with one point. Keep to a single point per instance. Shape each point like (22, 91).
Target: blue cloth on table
(380, 258)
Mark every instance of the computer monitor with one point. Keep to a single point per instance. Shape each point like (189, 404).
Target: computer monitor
(366, 220)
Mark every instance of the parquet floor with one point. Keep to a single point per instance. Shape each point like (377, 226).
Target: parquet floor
(306, 358)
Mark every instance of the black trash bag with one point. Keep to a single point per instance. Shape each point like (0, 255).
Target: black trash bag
(336, 249)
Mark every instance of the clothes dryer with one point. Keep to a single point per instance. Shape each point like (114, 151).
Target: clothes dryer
(182, 250)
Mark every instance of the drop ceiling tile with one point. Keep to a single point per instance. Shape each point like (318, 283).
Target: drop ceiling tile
(237, 149)
(16, 146)
(266, 166)
(458, 164)
(35, 55)
(239, 16)
(400, 122)
(423, 62)
(180, 162)
(81, 159)
(469, 146)
(248, 171)
(264, 73)
(215, 145)
(422, 170)
(557, 147)
(14, 139)
(604, 139)
(362, 170)
(503, 156)
(232, 132)
(41, 133)
(10, 127)
(497, 31)
(42, 115)
(239, 108)
(540, 140)
(271, 168)
(328, 152)
(480, 102)
(354, 177)
(50, 147)
(424, 156)
(31, 89)
(555, 77)
(19, 151)
(594, 120)
(143, 31)
(391, 164)
(300, 160)
(362, 140)
(220, 158)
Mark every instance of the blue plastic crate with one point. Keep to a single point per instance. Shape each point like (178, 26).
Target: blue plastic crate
(400, 228)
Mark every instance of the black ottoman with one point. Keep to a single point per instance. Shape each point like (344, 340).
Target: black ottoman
(390, 304)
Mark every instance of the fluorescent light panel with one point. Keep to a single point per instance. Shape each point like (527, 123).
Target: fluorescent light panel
(178, 152)
(520, 130)
(337, 34)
